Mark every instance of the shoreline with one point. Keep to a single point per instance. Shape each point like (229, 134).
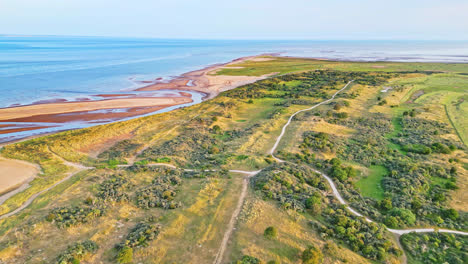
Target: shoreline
(204, 80)
(177, 92)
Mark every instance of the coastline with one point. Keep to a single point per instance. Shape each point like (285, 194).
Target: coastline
(204, 80)
(52, 116)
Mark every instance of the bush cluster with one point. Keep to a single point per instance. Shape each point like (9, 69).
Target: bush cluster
(160, 193)
(70, 216)
(77, 252)
(363, 237)
(435, 248)
(292, 185)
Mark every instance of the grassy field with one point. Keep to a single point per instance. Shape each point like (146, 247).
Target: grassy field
(230, 132)
(370, 185)
(283, 65)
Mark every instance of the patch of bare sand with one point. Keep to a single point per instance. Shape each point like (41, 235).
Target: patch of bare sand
(232, 67)
(206, 80)
(14, 173)
(261, 59)
(60, 108)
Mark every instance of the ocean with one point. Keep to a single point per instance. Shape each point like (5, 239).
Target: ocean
(37, 68)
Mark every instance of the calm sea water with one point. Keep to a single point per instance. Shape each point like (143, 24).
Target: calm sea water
(43, 68)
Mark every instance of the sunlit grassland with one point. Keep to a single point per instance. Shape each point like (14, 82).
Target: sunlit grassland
(192, 233)
(52, 170)
(283, 65)
(294, 235)
(451, 107)
(207, 208)
(370, 185)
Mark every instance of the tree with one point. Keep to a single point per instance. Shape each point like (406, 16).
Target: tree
(312, 255)
(404, 214)
(271, 232)
(451, 213)
(125, 255)
(313, 202)
(249, 260)
(386, 204)
(339, 173)
(216, 129)
(391, 221)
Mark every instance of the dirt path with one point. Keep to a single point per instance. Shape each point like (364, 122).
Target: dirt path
(283, 131)
(15, 176)
(235, 214)
(396, 232)
(333, 186)
(78, 168)
(249, 174)
(34, 196)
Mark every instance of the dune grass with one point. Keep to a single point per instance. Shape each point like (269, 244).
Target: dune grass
(192, 233)
(283, 65)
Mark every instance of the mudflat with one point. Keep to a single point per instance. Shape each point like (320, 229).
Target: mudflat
(60, 108)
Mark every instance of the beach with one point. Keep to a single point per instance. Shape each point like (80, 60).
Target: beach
(206, 80)
(45, 116)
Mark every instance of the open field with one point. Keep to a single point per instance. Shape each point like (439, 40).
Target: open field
(371, 185)
(395, 154)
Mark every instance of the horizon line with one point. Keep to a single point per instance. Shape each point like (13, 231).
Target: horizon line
(228, 39)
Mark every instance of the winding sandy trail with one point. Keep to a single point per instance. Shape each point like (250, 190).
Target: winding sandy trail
(283, 131)
(230, 228)
(335, 190)
(78, 168)
(34, 196)
(220, 255)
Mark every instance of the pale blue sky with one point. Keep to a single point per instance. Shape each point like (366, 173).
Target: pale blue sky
(239, 19)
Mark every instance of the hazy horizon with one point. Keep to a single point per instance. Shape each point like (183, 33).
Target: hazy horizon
(230, 39)
(243, 20)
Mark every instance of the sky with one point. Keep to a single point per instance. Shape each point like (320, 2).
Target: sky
(239, 19)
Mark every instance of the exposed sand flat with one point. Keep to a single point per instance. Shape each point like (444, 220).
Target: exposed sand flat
(60, 108)
(206, 81)
(261, 59)
(13, 173)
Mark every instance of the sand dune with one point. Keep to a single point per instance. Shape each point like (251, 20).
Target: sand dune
(14, 173)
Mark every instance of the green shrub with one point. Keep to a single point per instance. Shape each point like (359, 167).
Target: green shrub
(312, 255)
(270, 232)
(160, 193)
(249, 260)
(125, 255)
(77, 252)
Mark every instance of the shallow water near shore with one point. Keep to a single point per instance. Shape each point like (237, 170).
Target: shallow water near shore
(51, 127)
(46, 67)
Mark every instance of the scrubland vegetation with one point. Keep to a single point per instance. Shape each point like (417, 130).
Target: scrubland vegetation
(398, 157)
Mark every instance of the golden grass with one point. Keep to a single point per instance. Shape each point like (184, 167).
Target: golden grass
(193, 233)
(294, 235)
(333, 129)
